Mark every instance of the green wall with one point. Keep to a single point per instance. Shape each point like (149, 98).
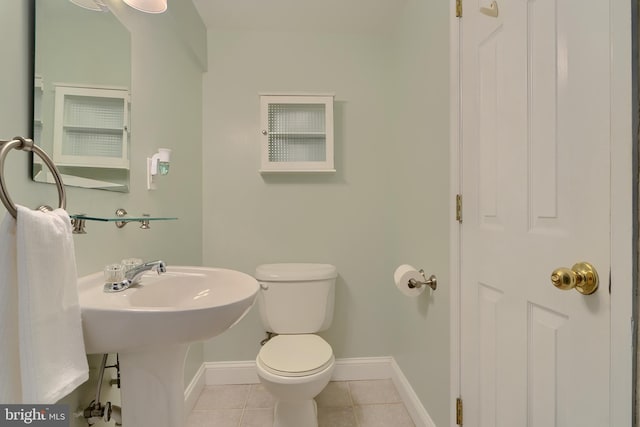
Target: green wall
(420, 195)
(386, 205)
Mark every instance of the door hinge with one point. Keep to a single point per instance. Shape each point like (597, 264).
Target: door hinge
(459, 411)
(459, 208)
(458, 8)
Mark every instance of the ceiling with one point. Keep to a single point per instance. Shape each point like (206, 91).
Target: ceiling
(353, 16)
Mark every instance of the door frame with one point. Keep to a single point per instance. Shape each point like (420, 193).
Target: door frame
(624, 212)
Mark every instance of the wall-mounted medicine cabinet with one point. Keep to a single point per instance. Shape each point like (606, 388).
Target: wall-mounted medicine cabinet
(91, 127)
(296, 132)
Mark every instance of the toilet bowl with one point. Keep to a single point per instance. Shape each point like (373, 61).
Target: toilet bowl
(295, 365)
(295, 369)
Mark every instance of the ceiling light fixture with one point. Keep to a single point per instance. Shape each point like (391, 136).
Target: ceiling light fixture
(95, 5)
(148, 6)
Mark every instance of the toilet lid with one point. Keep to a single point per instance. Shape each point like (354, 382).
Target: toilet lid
(295, 355)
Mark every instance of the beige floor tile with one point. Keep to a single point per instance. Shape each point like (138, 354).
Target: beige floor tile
(373, 392)
(386, 415)
(336, 393)
(371, 403)
(336, 416)
(259, 397)
(223, 397)
(257, 418)
(215, 418)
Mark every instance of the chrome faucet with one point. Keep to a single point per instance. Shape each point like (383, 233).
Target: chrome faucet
(133, 276)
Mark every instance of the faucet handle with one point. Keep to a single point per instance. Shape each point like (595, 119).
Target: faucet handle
(162, 267)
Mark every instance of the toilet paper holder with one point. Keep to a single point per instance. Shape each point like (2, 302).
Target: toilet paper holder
(431, 282)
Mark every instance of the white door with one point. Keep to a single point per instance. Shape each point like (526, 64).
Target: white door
(535, 152)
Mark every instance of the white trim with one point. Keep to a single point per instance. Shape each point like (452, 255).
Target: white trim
(294, 93)
(224, 373)
(416, 410)
(193, 390)
(363, 368)
(296, 170)
(91, 86)
(351, 369)
(622, 216)
(454, 227)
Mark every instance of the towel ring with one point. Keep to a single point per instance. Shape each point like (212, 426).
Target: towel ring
(20, 143)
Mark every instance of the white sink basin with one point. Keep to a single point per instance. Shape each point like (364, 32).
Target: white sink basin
(150, 326)
(183, 305)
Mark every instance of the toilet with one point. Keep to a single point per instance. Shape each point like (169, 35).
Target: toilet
(296, 301)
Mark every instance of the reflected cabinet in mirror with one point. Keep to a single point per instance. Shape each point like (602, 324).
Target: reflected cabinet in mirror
(82, 76)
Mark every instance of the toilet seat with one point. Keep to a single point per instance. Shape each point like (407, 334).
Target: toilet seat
(295, 355)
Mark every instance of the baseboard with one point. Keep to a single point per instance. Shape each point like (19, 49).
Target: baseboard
(416, 410)
(224, 373)
(352, 369)
(193, 390)
(362, 368)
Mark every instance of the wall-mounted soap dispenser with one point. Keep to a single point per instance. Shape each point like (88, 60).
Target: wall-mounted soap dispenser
(158, 164)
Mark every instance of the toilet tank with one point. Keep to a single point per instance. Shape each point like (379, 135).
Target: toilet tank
(296, 298)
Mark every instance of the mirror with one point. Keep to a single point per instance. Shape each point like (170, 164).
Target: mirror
(82, 79)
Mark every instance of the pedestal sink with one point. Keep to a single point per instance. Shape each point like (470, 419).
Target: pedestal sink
(150, 326)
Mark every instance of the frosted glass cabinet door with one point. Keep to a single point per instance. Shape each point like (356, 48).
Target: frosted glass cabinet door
(296, 133)
(91, 127)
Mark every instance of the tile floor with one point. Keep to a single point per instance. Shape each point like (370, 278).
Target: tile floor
(373, 403)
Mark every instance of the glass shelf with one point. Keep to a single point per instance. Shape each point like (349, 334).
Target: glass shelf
(121, 218)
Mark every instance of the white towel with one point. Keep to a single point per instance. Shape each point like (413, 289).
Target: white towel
(52, 355)
(10, 387)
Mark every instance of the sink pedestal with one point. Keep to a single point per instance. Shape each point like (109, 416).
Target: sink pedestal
(152, 386)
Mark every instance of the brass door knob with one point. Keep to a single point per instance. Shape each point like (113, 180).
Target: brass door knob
(582, 277)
